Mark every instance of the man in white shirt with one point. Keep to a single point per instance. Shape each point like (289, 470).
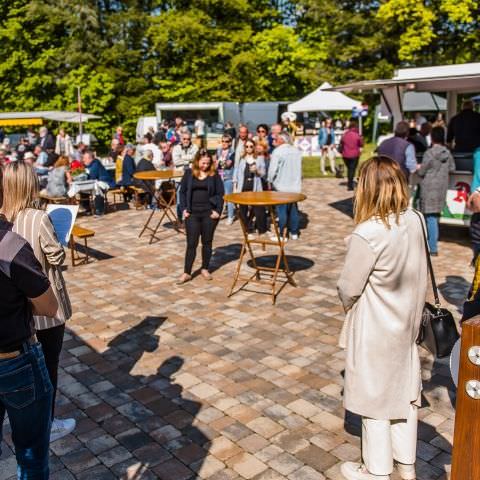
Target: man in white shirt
(240, 142)
(285, 175)
(182, 156)
(200, 131)
(148, 145)
(184, 152)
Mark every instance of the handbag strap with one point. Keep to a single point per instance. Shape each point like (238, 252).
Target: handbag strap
(429, 261)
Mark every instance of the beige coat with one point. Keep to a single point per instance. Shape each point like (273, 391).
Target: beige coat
(383, 287)
(35, 227)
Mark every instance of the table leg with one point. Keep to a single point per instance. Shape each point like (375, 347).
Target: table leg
(281, 244)
(245, 246)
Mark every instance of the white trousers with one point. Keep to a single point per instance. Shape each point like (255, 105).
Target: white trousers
(384, 441)
(330, 153)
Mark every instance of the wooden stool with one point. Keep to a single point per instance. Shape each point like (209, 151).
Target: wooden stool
(46, 199)
(82, 233)
(137, 193)
(117, 192)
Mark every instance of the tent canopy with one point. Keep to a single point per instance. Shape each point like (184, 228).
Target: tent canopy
(36, 118)
(323, 100)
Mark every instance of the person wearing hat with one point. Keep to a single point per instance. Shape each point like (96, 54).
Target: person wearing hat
(29, 158)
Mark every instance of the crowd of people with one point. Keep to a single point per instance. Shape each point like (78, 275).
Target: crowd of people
(386, 255)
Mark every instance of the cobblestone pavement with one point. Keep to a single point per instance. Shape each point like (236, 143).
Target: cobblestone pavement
(178, 382)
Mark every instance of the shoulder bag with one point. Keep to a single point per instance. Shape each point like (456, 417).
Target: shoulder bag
(438, 331)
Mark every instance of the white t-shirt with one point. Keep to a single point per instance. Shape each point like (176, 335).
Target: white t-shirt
(200, 127)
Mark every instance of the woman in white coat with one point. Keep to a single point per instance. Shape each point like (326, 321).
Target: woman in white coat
(382, 288)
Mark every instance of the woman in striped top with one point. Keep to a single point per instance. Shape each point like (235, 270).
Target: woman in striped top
(20, 186)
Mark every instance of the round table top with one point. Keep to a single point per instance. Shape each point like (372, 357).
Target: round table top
(264, 198)
(158, 174)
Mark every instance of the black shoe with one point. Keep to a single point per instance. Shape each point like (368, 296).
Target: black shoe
(434, 254)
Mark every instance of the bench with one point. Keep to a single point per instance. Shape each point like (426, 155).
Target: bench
(46, 199)
(83, 234)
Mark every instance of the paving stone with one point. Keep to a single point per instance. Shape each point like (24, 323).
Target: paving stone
(285, 464)
(173, 469)
(80, 460)
(98, 473)
(152, 454)
(265, 427)
(246, 465)
(316, 458)
(113, 456)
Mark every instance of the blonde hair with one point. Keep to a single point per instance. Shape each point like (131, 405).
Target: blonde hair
(381, 191)
(20, 189)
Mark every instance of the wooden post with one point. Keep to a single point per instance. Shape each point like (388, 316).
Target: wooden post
(466, 442)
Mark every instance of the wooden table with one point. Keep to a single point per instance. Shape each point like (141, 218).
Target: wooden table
(167, 206)
(268, 200)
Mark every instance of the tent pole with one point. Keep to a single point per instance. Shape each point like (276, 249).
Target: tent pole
(80, 125)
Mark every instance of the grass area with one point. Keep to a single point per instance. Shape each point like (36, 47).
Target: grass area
(311, 165)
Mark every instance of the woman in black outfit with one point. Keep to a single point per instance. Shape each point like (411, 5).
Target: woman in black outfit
(201, 203)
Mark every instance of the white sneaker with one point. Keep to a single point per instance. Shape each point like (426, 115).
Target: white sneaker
(356, 471)
(274, 238)
(293, 236)
(229, 220)
(251, 236)
(407, 472)
(61, 428)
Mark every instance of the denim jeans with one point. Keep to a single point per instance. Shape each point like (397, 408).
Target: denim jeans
(288, 213)
(431, 219)
(26, 396)
(228, 186)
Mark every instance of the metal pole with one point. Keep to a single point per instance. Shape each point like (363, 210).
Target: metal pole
(80, 125)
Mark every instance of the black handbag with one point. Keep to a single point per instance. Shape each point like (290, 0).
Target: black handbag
(438, 331)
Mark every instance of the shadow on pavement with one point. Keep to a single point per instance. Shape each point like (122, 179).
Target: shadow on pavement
(295, 262)
(127, 401)
(345, 206)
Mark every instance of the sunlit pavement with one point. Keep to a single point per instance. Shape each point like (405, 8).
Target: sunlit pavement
(178, 382)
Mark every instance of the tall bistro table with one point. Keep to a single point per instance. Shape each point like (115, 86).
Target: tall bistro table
(166, 205)
(268, 200)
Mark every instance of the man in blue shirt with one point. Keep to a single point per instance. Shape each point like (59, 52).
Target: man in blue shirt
(96, 171)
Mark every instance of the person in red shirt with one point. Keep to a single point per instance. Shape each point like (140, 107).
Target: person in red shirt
(351, 146)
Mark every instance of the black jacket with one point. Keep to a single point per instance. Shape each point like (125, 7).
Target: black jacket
(215, 192)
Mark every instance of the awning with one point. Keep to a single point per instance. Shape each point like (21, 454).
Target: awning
(11, 119)
(444, 78)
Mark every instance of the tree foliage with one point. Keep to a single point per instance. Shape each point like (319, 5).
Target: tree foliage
(125, 55)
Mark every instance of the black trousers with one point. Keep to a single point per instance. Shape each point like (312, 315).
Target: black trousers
(260, 218)
(51, 340)
(351, 164)
(199, 225)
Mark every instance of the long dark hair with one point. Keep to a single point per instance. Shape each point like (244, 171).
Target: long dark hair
(203, 152)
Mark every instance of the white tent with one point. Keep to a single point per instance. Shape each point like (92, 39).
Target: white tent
(322, 100)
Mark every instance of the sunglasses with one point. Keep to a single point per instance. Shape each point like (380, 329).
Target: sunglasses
(226, 141)
(261, 131)
(249, 146)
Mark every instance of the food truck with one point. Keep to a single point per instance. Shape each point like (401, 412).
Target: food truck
(452, 80)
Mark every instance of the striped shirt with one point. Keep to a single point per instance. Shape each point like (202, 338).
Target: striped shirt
(36, 227)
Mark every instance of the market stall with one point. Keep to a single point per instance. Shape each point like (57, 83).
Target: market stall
(452, 80)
